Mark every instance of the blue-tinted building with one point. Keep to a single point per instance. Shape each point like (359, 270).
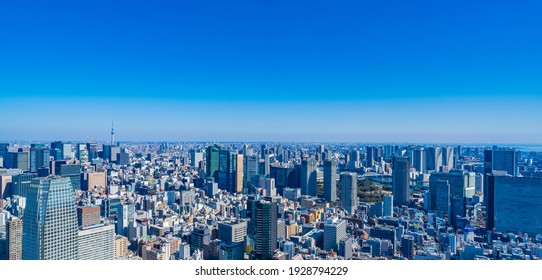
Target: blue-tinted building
(50, 221)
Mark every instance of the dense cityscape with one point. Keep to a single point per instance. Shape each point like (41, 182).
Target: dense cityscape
(268, 201)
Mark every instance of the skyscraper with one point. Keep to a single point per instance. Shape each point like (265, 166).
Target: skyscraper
(334, 231)
(308, 177)
(14, 230)
(418, 159)
(388, 206)
(50, 221)
(353, 162)
(501, 160)
(330, 180)
(517, 207)
(92, 149)
(82, 154)
(212, 159)
(266, 228)
(57, 150)
(39, 157)
(195, 158)
(452, 201)
(401, 180)
(227, 170)
(433, 158)
(239, 173)
(251, 170)
(407, 246)
(349, 191)
(448, 159)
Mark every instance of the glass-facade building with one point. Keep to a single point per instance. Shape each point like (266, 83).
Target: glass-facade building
(50, 220)
(517, 204)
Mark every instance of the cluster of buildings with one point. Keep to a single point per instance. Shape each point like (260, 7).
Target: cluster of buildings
(239, 201)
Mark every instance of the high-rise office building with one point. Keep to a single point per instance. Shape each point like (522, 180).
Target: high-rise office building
(121, 246)
(14, 238)
(251, 170)
(57, 150)
(126, 216)
(82, 154)
(227, 171)
(407, 246)
(349, 191)
(433, 158)
(239, 173)
(50, 221)
(334, 231)
(92, 149)
(460, 187)
(401, 180)
(269, 159)
(21, 183)
(440, 196)
(268, 186)
(354, 161)
(200, 237)
(4, 152)
(330, 180)
(308, 177)
(418, 159)
(88, 215)
(196, 158)
(284, 177)
(212, 159)
(39, 157)
(73, 172)
(517, 207)
(500, 159)
(19, 160)
(232, 232)
(448, 159)
(388, 206)
(96, 242)
(266, 228)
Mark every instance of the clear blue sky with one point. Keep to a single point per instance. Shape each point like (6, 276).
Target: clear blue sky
(418, 71)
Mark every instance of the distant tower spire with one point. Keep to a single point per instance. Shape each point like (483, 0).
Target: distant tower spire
(112, 134)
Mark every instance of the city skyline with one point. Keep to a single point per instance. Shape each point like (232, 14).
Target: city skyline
(349, 72)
